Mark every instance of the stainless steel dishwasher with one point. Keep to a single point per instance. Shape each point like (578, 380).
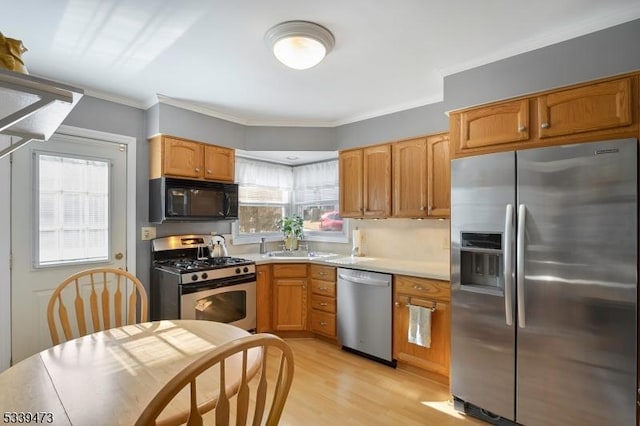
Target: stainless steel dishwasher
(364, 313)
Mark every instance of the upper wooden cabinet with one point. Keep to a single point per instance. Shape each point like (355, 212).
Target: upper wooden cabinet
(377, 181)
(177, 157)
(181, 158)
(598, 106)
(365, 182)
(421, 177)
(494, 125)
(600, 110)
(438, 176)
(219, 163)
(350, 182)
(410, 178)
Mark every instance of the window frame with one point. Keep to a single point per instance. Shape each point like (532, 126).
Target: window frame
(36, 263)
(317, 236)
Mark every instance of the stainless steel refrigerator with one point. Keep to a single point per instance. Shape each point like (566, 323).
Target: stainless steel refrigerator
(544, 285)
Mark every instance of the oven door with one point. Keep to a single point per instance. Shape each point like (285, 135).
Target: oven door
(233, 304)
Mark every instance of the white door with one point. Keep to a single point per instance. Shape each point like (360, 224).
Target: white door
(5, 245)
(59, 225)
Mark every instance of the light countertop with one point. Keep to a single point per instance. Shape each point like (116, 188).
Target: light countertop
(423, 269)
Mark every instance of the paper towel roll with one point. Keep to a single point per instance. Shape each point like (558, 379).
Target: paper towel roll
(356, 238)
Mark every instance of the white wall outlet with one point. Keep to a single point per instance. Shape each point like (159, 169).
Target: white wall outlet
(148, 233)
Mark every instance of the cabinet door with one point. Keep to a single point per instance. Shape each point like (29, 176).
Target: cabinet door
(434, 359)
(438, 176)
(494, 125)
(182, 158)
(598, 106)
(290, 304)
(219, 163)
(263, 296)
(410, 178)
(350, 165)
(376, 181)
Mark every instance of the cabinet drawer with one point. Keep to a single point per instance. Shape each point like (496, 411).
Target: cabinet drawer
(423, 287)
(326, 273)
(323, 323)
(323, 303)
(289, 270)
(324, 288)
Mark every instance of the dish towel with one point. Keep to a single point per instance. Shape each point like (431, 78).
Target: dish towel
(419, 326)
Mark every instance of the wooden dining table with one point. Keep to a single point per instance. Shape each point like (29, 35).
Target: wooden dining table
(109, 377)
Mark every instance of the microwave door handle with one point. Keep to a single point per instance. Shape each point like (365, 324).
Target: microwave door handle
(227, 200)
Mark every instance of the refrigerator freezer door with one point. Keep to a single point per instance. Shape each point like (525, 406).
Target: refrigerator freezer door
(482, 341)
(576, 360)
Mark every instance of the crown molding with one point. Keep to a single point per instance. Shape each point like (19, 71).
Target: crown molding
(548, 39)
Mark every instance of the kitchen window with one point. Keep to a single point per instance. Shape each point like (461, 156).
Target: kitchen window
(72, 205)
(269, 191)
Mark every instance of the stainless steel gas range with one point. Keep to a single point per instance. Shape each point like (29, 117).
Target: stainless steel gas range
(187, 284)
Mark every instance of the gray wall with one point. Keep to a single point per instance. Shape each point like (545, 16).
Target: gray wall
(264, 138)
(404, 124)
(604, 53)
(193, 125)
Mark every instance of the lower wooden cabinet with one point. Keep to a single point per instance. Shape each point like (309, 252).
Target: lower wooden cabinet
(429, 294)
(263, 298)
(323, 300)
(289, 297)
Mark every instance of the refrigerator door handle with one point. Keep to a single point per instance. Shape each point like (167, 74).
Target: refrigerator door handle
(522, 212)
(508, 263)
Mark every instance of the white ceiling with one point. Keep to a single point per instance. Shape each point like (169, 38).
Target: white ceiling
(389, 55)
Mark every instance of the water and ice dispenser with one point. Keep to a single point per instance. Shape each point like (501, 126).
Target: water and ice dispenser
(481, 261)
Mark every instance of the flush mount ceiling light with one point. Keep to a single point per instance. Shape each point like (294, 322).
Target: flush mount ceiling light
(299, 44)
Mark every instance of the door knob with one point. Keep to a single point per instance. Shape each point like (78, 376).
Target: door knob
(119, 256)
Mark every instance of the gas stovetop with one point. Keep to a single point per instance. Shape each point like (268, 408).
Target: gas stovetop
(197, 265)
(179, 255)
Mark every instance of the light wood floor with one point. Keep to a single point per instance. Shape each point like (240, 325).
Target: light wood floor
(334, 387)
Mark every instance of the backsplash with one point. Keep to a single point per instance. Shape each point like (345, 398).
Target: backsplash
(406, 239)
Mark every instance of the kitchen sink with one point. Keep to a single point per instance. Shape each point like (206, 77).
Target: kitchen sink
(297, 254)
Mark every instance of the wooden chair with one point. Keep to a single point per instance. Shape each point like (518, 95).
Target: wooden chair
(275, 361)
(107, 290)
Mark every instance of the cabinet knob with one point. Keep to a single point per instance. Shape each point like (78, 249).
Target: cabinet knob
(417, 287)
(322, 288)
(323, 304)
(323, 323)
(545, 125)
(397, 304)
(197, 169)
(429, 209)
(522, 128)
(259, 272)
(421, 208)
(322, 273)
(209, 171)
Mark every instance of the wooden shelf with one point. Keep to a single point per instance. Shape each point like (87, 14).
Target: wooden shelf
(32, 108)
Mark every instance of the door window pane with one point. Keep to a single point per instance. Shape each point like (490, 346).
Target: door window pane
(72, 204)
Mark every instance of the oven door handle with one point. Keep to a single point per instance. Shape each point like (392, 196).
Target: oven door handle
(220, 283)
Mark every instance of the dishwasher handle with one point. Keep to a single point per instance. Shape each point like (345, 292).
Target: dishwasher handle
(366, 281)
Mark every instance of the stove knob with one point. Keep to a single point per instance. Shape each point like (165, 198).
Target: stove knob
(205, 276)
(194, 277)
(245, 269)
(237, 270)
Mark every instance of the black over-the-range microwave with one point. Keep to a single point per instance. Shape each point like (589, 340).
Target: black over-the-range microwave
(172, 199)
